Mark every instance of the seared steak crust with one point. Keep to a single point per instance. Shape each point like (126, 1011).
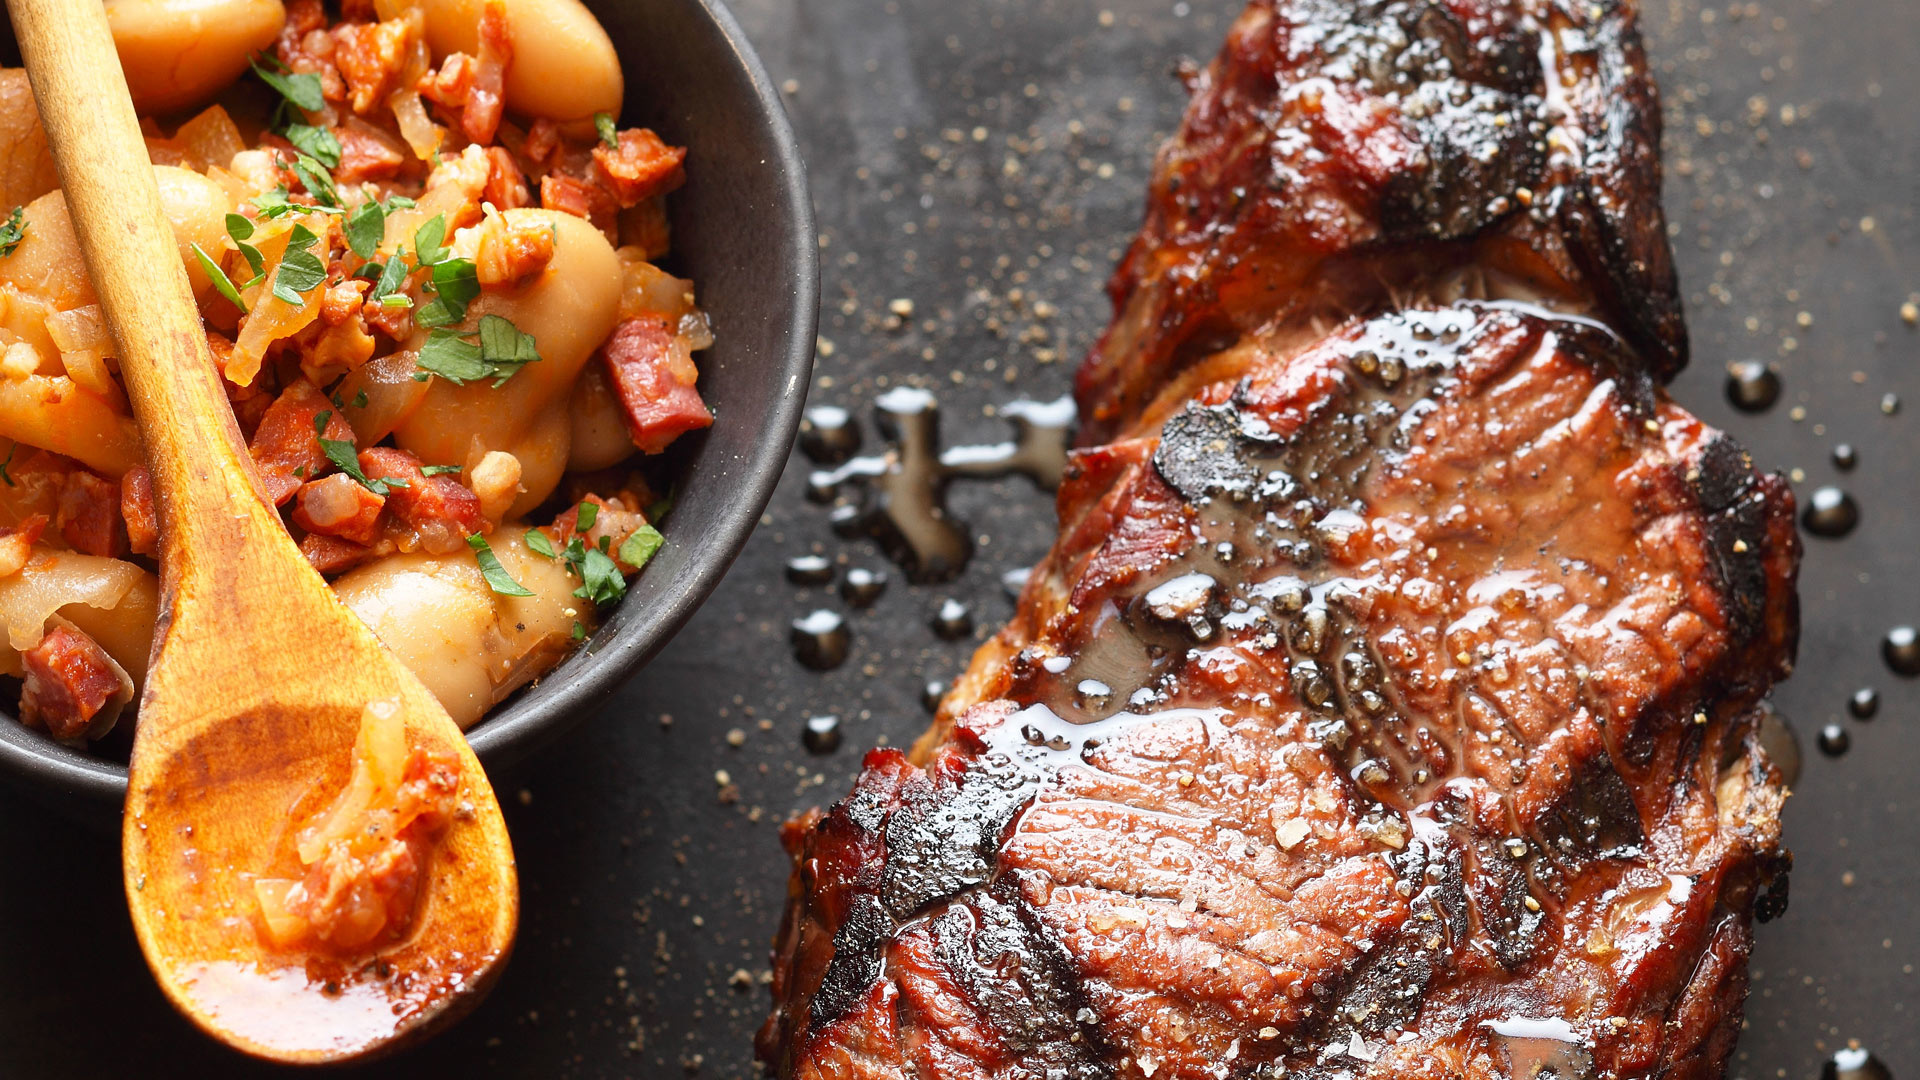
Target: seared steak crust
(1341, 153)
(1388, 705)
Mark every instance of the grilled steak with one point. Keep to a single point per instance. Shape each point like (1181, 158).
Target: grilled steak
(1388, 705)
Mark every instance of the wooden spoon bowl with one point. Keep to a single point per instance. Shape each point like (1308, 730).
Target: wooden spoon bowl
(261, 677)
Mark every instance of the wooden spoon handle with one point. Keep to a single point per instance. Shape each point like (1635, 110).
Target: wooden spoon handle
(135, 263)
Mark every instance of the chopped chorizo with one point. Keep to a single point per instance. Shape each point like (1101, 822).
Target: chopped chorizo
(286, 447)
(16, 544)
(439, 510)
(506, 184)
(331, 555)
(68, 680)
(367, 153)
(89, 514)
(339, 505)
(579, 198)
(660, 407)
(137, 510)
(370, 56)
(640, 166)
(512, 251)
(486, 96)
(306, 46)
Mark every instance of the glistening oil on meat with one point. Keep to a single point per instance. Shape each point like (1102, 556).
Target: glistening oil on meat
(1390, 702)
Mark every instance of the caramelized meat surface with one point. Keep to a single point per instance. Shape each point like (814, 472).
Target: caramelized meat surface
(1389, 703)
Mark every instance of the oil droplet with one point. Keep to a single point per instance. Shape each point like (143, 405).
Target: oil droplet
(828, 434)
(953, 621)
(1830, 513)
(821, 640)
(1845, 457)
(1855, 1063)
(1901, 650)
(809, 570)
(931, 694)
(1864, 703)
(822, 734)
(1752, 386)
(1834, 740)
(862, 586)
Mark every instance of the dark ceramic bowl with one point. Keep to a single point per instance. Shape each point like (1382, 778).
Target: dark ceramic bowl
(743, 231)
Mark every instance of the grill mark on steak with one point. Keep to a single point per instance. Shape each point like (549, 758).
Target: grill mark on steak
(1387, 683)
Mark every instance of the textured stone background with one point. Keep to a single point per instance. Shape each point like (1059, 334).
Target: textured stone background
(986, 160)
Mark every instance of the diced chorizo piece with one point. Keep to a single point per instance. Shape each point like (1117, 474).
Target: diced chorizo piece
(367, 153)
(543, 143)
(512, 251)
(286, 446)
(448, 86)
(138, 512)
(486, 97)
(439, 509)
(640, 166)
(339, 505)
(68, 680)
(331, 555)
(88, 514)
(660, 407)
(370, 56)
(579, 198)
(16, 544)
(305, 46)
(506, 184)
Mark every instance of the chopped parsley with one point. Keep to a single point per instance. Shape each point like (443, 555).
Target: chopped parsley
(317, 180)
(8, 477)
(432, 470)
(455, 284)
(537, 541)
(501, 351)
(240, 229)
(640, 545)
(315, 142)
(365, 228)
(347, 459)
(427, 238)
(13, 231)
(392, 276)
(579, 633)
(222, 284)
(603, 123)
(300, 269)
(497, 577)
(586, 517)
(299, 89)
(600, 578)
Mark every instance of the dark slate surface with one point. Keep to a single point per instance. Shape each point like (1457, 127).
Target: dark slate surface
(983, 160)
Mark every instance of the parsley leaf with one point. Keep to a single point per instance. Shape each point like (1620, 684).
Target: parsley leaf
(601, 580)
(584, 519)
(365, 228)
(501, 342)
(537, 542)
(433, 470)
(391, 277)
(579, 634)
(299, 89)
(501, 351)
(316, 142)
(603, 123)
(497, 577)
(455, 283)
(221, 283)
(640, 545)
(427, 238)
(660, 508)
(14, 231)
(318, 182)
(239, 226)
(452, 357)
(300, 271)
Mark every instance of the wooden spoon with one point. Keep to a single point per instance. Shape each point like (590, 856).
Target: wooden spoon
(260, 676)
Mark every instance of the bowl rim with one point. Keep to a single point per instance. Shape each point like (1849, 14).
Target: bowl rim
(50, 769)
